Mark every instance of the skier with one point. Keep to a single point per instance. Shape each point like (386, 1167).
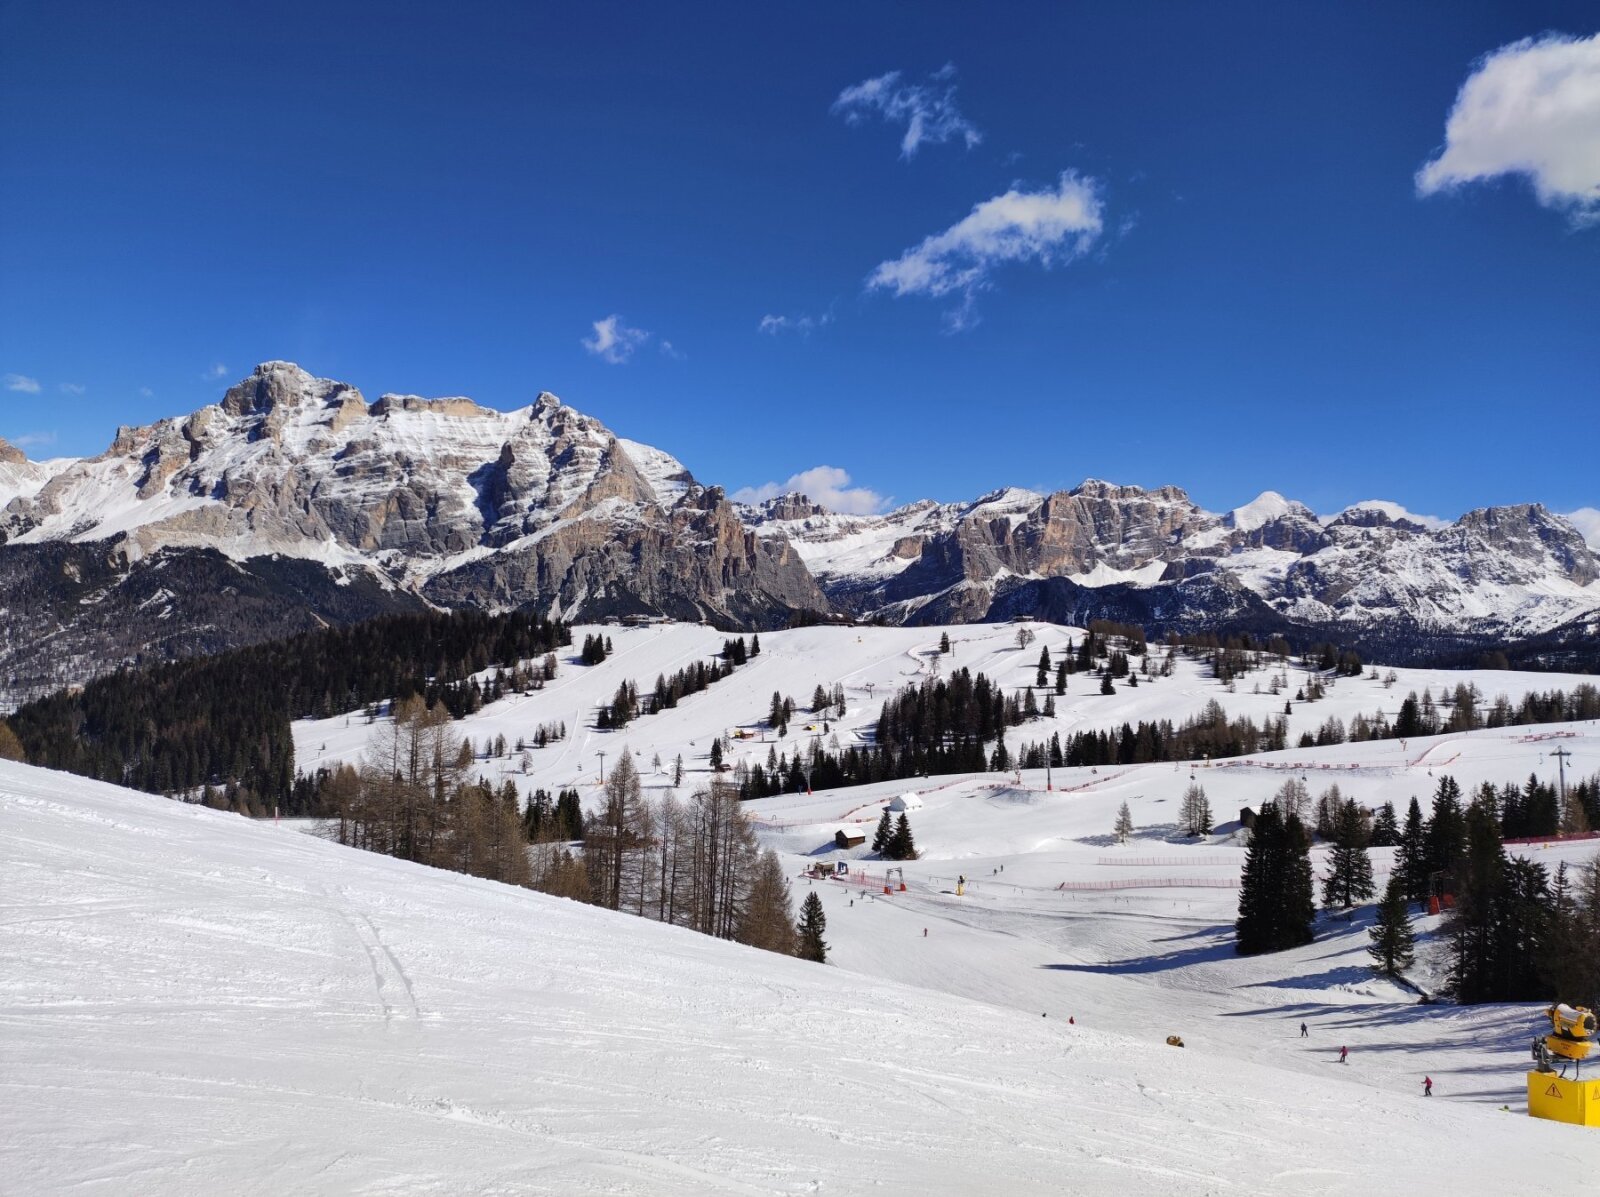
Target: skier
(924, 933)
(1344, 1054)
(1427, 1086)
(1303, 1033)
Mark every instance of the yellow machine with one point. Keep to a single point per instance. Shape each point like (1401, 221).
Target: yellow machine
(1572, 1032)
(1552, 1095)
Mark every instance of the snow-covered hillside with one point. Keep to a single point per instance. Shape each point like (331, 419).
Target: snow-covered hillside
(872, 663)
(1055, 916)
(199, 1004)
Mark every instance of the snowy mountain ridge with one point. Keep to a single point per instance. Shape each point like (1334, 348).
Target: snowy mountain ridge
(324, 508)
(1502, 571)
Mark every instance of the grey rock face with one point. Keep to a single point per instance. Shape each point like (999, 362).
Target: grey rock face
(1506, 572)
(540, 507)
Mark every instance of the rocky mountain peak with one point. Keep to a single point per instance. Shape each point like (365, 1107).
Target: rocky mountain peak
(1096, 488)
(792, 506)
(274, 386)
(10, 454)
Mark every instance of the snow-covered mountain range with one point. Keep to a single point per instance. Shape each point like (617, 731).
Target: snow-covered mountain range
(1507, 572)
(295, 501)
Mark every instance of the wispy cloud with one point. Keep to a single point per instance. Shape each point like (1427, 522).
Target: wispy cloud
(613, 341)
(928, 110)
(34, 440)
(217, 371)
(146, 393)
(1051, 227)
(1531, 108)
(826, 485)
(803, 324)
(1587, 521)
(72, 388)
(668, 349)
(21, 382)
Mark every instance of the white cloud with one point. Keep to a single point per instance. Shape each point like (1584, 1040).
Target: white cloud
(1531, 108)
(34, 440)
(1051, 227)
(21, 382)
(73, 388)
(216, 372)
(1587, 521)
(804, 325)
(146, 393)
(827, 485)
(668, 349)
(613, 341)
(928, 109)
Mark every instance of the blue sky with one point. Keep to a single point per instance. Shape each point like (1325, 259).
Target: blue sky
(1155, 243)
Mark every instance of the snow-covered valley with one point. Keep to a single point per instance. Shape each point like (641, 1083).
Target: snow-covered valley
(198, 1003)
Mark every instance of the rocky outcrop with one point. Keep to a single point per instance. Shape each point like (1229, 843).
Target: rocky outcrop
(540, 507)
(10, 454)
(445, 501)
(1500, 573)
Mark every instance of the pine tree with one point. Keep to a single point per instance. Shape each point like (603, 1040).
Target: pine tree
(1043, 678)
(716, 753)
(1393, 943)
(1349, 878)
(1276, 903)
(881, 837)
(1572, 957)
(1411, 857)
(1105, 684)
(901, 844)
(944, 642)
(1124, 828)
(1300, 899)
(1194, 817)
(813, 922)
(1385, 827)
(755, 646)
(1447, 832)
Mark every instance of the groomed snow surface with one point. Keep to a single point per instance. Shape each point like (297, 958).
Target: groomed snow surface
(195, 1003)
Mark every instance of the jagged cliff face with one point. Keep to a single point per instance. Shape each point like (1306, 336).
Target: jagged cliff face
(1154, 555)
(294, 500)
(433, 499)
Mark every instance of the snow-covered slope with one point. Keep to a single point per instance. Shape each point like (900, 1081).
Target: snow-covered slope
(198, 1004)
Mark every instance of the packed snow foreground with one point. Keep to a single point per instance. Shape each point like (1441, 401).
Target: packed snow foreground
(197, 1003)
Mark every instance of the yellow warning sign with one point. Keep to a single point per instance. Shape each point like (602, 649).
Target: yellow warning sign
(1571, 1101)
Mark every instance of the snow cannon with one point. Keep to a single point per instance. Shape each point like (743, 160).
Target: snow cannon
(1572, 1035)
(1552, 1096)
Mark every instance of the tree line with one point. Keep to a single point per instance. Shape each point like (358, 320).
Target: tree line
(224, 720)
(1514, 934)
(693, 863)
